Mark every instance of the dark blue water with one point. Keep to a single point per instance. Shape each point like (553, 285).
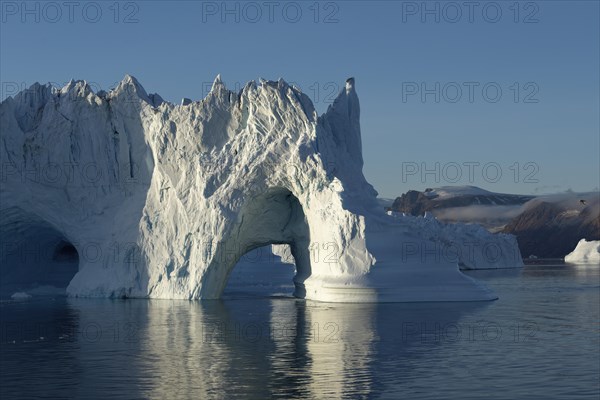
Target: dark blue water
(540, 340)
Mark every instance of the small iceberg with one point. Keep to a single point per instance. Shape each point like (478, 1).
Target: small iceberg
(20, 296)
(585, 253)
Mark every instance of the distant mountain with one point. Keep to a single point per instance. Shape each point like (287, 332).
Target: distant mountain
(463, 204)
(551, 229)
(545, 226)
(385, 202)
(417, 203)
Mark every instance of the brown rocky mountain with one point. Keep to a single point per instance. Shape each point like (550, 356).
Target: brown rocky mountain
(552, 230)
(545, 226)
(414, 202)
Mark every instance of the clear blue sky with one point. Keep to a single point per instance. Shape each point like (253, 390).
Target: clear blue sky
(548, 123)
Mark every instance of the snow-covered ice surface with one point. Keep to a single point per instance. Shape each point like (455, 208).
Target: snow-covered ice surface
(585, 253)
(469, 245)
(162, 200)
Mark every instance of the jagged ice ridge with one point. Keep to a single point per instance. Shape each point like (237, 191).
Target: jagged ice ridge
(161, 200)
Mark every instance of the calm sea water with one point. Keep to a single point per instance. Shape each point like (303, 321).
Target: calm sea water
(540, 340)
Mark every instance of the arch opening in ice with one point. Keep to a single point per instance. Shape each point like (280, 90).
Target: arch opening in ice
(272, 217)
(35, 255)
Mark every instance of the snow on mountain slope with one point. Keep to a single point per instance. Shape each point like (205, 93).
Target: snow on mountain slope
(162, 200)
(447, 192)
(433, 199)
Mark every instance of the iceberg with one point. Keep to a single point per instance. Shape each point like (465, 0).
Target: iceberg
(585, 253)
(20, 296)
(157, 200)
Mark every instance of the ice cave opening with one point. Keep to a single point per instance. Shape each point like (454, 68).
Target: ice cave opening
(261, 273)
(35, 257)
(274, 217)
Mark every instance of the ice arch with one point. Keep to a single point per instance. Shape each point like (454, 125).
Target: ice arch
(272, 217)
(148, 184)
(35, 254)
